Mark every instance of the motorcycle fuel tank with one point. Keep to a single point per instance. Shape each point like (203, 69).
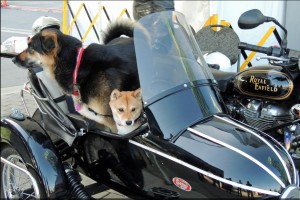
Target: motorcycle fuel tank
(216, 158)
(265, 82)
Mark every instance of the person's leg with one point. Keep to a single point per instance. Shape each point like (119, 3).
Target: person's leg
(145, 7)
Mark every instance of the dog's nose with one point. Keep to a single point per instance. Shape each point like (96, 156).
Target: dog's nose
(14, 60)
(128, 123)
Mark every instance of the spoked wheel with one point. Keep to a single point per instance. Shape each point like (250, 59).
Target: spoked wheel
(15, 183)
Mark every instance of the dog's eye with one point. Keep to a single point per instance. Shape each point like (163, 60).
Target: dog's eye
(133, 109)
(121, 109)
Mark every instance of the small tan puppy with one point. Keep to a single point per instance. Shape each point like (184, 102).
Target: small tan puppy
(126, 108)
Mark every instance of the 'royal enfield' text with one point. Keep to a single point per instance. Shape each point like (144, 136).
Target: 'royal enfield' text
(261, 84)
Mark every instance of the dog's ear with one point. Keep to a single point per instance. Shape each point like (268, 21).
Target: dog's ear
(48, 44)
(137, 93)
(115, 94)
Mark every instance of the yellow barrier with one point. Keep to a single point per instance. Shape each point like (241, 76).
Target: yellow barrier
(225, 23)
(68, 30)
(90, 27)
(64, 22)
(213, 20)
(123, 12)
(74, 19)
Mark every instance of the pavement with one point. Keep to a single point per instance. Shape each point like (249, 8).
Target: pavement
(11, 99)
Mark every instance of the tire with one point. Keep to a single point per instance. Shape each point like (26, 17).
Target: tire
(14, 183)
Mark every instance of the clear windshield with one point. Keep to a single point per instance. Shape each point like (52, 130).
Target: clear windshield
(177, 87)
(167, 54)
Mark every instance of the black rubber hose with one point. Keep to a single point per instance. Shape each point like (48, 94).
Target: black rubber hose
(77, 189)
(120, 171)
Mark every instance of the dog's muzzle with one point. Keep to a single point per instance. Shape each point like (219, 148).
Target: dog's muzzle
(22, 63)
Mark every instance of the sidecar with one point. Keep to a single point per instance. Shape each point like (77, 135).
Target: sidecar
(188, 146)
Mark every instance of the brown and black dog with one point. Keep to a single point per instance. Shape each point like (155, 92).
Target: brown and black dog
(103, 68)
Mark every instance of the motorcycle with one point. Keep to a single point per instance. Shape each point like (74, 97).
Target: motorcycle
(267, 97)
(188, 147)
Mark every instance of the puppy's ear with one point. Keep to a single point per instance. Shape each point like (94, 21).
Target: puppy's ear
(137, 93)
(115, 94)
(48, 44)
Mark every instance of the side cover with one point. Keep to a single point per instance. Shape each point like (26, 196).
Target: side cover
(35, 146)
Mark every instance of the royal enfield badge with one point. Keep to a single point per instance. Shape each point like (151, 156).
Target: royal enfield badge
(182, 184)
(269, 84)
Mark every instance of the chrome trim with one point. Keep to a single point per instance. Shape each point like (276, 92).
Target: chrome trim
(239, 152)
(288, 191)
(31, 92)
(297, 179)
(34, 182)
(281, 160)
(23, 100)
(209, 174)
(41, 110)
(272, 58)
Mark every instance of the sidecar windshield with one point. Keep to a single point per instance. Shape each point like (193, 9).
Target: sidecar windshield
(178, 88)
(167, 54)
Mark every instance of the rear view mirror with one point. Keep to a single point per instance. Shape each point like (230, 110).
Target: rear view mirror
(251, 19)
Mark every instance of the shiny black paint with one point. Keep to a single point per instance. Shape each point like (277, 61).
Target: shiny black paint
(37, 150)
(245, 141)
(158, 170)
(269, 84)
(170, 114)
(286, 80)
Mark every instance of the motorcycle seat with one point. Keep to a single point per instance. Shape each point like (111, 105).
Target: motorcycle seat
(223, 78)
